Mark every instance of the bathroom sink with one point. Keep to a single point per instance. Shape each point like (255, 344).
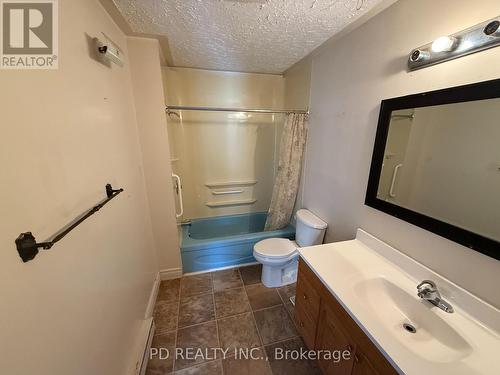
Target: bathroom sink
(427, 334)
(377, 286)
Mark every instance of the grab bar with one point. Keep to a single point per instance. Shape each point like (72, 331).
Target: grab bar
(392, 194)
(178, 189)
(27, 246)
(228, 192)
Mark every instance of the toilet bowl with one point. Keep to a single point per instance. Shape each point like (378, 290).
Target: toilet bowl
(279, 256)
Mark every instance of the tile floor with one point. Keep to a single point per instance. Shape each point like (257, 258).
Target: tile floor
(227, 309)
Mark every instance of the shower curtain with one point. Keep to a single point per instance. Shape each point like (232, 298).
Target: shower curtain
(285, 189)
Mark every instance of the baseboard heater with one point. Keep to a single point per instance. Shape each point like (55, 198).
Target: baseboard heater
(142, 363)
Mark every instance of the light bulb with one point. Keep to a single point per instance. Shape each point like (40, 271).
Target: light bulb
(444, 44)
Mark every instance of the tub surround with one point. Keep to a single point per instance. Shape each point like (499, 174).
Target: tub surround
(376, 285)
(247, 143)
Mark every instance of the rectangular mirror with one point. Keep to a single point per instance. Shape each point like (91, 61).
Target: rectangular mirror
(436, 163)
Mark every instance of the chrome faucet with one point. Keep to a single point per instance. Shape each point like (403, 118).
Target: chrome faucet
(428, 291)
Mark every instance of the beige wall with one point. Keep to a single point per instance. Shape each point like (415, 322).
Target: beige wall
(350, 77)
(144, 56)
(298, 84)
(297, 96)
(212, 147)
(77, 308)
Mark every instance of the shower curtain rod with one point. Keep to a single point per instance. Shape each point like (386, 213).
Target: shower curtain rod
(219, 109)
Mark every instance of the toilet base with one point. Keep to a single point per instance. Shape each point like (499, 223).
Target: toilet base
(277, 276)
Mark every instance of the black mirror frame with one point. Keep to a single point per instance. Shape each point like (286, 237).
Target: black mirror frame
(473, 92)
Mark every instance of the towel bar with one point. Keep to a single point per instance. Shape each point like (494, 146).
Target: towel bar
(27, 246)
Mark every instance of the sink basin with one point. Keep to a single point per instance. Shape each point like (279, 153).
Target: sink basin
(377, 286)
(434, 339)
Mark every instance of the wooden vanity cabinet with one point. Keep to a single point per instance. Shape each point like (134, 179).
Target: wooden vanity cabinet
(331, 337)
(307, 304)
(325, 325)
(362, 366)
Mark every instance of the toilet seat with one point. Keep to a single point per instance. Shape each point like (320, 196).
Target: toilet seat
(275, 247)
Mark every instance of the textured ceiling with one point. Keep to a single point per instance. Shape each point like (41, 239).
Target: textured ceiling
(266, 36)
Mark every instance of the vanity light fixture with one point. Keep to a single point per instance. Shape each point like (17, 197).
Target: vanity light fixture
(477, 38)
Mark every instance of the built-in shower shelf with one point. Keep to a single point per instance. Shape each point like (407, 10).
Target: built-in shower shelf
(230, 183)
(241, 202)
(226, 192)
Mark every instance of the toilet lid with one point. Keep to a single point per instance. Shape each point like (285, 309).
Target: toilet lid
(275, 247)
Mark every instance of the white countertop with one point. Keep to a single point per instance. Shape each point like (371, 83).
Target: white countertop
(376, 284)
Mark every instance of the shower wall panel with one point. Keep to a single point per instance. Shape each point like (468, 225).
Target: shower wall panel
(227, 161)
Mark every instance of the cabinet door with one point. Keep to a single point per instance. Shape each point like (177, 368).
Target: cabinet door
(362, 366)
(307, 297)
(331, 338)
(307, 302)
(306, 326)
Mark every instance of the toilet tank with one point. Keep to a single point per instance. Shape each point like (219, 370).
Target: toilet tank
(310, 229)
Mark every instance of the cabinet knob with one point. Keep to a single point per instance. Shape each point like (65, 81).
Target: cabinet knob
(305, 297)
(301, 324)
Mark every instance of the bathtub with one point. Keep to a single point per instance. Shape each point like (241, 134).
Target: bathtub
(224, 241)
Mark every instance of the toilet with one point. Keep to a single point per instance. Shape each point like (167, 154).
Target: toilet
(279, 256)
